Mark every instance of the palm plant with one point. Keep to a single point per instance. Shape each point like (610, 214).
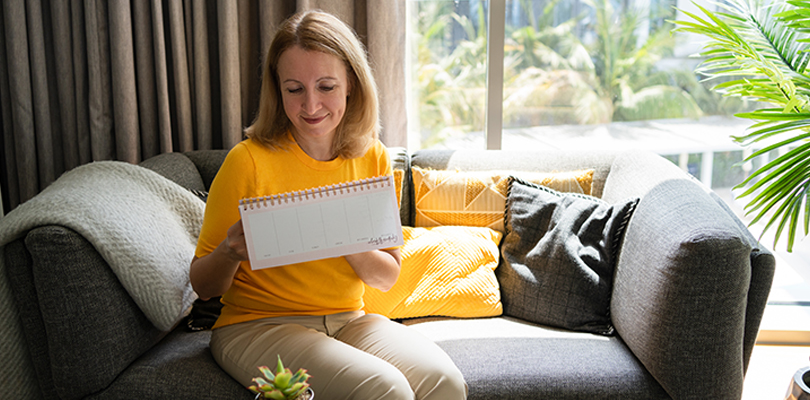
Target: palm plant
(761, 49)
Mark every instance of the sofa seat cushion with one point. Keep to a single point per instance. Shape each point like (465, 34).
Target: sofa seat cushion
(179, 367)
(508, 358)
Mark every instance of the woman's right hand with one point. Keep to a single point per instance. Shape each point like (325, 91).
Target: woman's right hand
(235, 245)
(212, 275)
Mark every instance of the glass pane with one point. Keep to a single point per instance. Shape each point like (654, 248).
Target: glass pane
(600, 61)
(447, 50)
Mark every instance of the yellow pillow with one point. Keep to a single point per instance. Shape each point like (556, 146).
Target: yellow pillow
(478, 198)
(446, 271)
(398, 176)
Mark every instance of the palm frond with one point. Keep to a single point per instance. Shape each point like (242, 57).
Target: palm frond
(763, 47)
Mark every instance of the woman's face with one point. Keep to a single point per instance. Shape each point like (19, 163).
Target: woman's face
(314, 86)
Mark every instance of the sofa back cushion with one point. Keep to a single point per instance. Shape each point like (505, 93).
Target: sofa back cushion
(207, 163)
(529, 161)
(478, 198)
(195, 170)
(179, 169)
(82, 327)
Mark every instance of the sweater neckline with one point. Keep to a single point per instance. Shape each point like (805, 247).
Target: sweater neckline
(311, 162)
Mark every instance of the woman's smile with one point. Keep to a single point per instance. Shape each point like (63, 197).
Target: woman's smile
(313, 120)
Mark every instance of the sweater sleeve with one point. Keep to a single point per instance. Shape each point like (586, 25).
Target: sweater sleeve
(235, 180)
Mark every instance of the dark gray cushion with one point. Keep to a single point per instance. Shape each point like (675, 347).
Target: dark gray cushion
(551, 368)
(177, 168)
(179, 367)
(559, 256)
(207, 163)
(88, 329)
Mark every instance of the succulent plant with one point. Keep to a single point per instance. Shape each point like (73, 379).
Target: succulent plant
(283, 385)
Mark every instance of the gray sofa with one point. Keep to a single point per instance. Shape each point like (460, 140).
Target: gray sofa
(690, 287)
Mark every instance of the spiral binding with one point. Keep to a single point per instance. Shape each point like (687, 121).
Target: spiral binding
(316, 193)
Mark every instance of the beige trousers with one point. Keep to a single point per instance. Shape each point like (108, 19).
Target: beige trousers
(349, 355)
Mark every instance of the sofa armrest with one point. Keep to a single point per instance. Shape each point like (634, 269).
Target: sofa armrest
(83, 334)
(687, 298)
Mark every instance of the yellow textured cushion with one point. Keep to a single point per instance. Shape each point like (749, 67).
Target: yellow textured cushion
(478, 198)
(398, 176)
(446, 271)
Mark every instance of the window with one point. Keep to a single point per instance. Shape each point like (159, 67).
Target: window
(577, 63)
(447, 43)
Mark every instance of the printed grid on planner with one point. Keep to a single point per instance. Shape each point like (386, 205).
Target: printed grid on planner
(322, 223)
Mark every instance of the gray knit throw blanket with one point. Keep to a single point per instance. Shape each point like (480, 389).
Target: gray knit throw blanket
(142, 224)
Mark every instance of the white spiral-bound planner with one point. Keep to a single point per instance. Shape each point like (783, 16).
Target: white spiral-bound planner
(324, 222)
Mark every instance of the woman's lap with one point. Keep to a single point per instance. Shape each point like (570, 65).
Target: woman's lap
(349, 357)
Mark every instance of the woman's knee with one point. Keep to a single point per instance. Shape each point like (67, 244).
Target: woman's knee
(434, 382)
(387, 384)
(430, 371)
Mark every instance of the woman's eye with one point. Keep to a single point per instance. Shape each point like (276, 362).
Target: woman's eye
(294, 90)
(327, 88)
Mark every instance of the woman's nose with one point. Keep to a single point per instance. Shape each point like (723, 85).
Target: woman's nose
(311, 102)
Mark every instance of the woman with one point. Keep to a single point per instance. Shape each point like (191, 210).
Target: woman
(317, 125)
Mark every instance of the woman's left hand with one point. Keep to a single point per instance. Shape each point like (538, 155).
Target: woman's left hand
(377, 268)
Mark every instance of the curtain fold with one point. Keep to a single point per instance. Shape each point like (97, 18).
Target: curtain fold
(125, 99)
(202, 75)
(228, 22)
(90, 80)
(23, 145)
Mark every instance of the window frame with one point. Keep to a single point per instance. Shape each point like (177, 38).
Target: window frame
(496, 40)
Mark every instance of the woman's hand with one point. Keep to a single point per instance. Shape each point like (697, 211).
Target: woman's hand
(212, 275)
(235, 244)
(377, 268)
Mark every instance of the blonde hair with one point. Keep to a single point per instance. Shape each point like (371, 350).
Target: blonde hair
(319, 31)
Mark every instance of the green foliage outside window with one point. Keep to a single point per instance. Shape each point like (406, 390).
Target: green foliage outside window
(590, 68)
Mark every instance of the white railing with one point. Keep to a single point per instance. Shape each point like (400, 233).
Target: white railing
(675, 137)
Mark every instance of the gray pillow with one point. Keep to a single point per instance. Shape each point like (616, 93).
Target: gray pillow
(559, 255)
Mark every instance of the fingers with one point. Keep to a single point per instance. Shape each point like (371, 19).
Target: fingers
(236, 241)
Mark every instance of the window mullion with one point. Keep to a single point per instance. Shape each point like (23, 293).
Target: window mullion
(496, 32)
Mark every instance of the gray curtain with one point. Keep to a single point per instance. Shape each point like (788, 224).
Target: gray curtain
(89, 80)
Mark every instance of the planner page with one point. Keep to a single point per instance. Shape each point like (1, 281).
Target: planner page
(321, 223)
